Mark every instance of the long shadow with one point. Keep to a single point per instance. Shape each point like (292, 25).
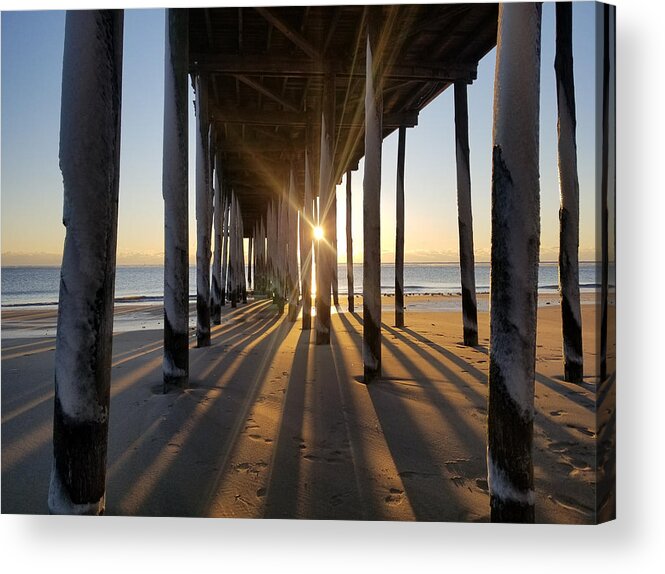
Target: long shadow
(432, 497)
(332, 472)
(356, 430)
(560, 436)
(25, 482)
(28, 427)
(560, 387)
(27, 349)
(559, 433)
(445, 371)
(461, 363)
(284, 483)
(570, 393)
(167, 484)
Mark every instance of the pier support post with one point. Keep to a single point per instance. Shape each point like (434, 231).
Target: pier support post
(349, 244)
(250, 246)
(306, 248)
(225, 241)
(465, 217)
(608, 138)
(233, 248)
(90, 164)
(203, 215)
(241, 249)
(333, 245)
(292, 250)
(399, 231)
(514, 272)
(282, 246)
(216, 293)
(174, 190)
(569, 210)
(326, 190)
(372, 204)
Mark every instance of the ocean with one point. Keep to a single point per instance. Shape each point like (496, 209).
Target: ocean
(40, 285)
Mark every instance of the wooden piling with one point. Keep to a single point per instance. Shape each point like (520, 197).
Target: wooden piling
(604, 196)
(349, 244)
(233, 249)
(569, 210)
(326, 190)
(333, 242)
(218, 212)
(465, 217)
(250, 242)
(306, 248)
(292, 249)
(514, 273)
(372, 204)
(225, 242)
(174, 189)
(204, 198)
(399, 231)
(90, 164)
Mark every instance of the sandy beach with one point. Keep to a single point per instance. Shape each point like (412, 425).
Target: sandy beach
(274, 426)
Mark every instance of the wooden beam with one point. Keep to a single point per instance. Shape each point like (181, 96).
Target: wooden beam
(337, 12)
(259, 87)
(280, 66)
(293, 35)
(231, 114)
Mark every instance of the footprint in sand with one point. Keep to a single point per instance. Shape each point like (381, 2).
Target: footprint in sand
(561, 446)
(558, 413)
(395, 497)
(414, 474)
(261, 492)
(583, 430)
(482, 484)
(571, 504)
(255, 436)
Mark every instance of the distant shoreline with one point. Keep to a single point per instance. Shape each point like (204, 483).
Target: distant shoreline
(152, 300)
(339, 264)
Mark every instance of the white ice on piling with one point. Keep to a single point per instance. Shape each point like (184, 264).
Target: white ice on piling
(88, 159)
(59, 501)
(501, 487)
(517, 87)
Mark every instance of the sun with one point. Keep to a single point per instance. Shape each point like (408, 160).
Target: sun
(318, 232)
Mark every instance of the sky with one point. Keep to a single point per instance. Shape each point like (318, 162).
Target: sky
(31, 182)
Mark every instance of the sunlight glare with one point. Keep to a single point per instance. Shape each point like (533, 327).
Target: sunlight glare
(318, 232)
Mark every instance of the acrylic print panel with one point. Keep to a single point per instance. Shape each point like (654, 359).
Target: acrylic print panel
(349, 262)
